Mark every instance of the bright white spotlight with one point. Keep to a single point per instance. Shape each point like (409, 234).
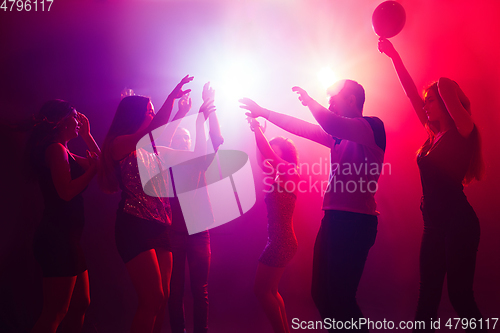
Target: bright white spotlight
(327, 77)
(237, 79)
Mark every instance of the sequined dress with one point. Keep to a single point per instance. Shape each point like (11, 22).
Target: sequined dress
(281, 242)
(142, 219)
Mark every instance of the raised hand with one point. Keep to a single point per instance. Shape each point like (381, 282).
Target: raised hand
(208, 93)
(254, 123)
(254, 108)
(303, 95)
(178, 92)
(84, 124)
(385, 46)
(207, 108)
(184, 106)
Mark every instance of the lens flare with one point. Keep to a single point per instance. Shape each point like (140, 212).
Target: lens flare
(327, 77)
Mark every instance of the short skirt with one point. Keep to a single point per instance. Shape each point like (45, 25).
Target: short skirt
(134, 235)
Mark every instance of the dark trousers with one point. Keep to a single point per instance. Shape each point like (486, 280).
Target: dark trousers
(340, 253)
(449, 247)
(196, 249)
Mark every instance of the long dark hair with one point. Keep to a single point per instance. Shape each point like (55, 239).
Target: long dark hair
(476, 165)
(46, 126)
(129, 116)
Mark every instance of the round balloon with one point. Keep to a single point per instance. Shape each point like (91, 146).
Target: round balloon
(388, 19)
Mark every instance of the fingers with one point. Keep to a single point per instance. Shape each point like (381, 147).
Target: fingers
(207, 108)
(245, 100)
(303, 96)
(385, 46)
(187, 79)
(81, 117)
(208, 92)
(254, 124)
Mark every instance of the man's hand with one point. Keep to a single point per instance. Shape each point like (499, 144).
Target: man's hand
(254, 108)
(303, 95)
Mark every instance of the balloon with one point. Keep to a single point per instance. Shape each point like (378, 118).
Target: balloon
(388, 19)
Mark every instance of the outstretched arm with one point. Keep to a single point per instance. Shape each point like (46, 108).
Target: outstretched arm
(263, 145)
(271, 162)
(125, 144)
(290, 124)
(385, 46)
(352, 129)
(214, 127)
(173, 156)
(161, 118)
(457, 105)
(184, 105)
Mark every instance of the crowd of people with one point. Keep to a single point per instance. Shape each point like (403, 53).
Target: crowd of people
(151, 234)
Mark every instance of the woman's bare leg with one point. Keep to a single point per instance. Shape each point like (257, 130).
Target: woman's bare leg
(164, 258)
(57, 293)
(266, 289)
(146, 278)
(80, 301)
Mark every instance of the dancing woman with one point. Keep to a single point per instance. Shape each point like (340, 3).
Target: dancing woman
(141, 229)
(62, 176)
(193, 248)
(280, 163)
(449, 159)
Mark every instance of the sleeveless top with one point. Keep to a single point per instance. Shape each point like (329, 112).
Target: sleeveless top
(281, 242)
(443, 167)
(280, 206)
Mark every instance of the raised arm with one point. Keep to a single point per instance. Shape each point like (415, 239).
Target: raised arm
(385, 46)
(290, 124)
(263, 145)
(173, 156)
(271, 163)
(184, 105)
(214, 127)
(56, 157)
(161, 118)
(457, 104)
(352, 129)
(125, 144)
(84, 133)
